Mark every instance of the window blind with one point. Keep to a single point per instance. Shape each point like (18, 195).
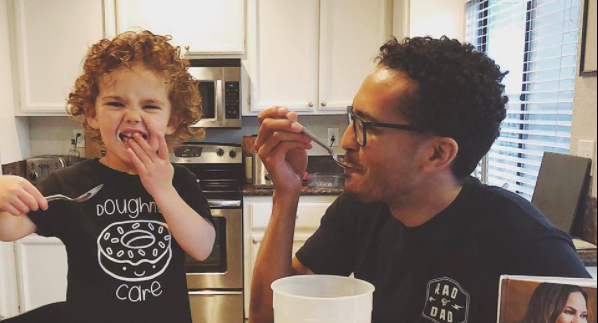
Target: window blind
(536, 41)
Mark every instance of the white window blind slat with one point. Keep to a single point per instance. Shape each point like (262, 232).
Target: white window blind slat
(541, 36)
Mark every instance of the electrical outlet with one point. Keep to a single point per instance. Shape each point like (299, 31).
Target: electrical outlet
(79, 135)
(585, 148)
(333, 137)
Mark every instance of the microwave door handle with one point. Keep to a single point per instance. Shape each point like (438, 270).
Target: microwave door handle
(219, 106)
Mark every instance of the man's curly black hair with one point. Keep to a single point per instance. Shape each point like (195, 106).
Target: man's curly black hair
(458, 94)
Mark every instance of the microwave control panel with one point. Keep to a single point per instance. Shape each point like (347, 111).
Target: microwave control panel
(232, 100)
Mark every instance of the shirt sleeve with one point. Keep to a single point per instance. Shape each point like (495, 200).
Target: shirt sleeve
(552, 254)
(331, 249)
(192, 194)
(49, 223)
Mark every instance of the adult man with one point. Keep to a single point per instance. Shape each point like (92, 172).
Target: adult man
(412, 221)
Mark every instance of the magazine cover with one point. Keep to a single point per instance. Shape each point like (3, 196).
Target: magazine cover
(530, 299)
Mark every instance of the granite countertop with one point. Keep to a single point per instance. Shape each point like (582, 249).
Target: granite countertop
(250, 190)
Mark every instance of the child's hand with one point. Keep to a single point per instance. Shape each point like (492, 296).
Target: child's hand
(18, 196)
(155, 170)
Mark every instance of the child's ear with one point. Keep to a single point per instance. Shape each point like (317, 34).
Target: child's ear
(92, 120)
(173, 124)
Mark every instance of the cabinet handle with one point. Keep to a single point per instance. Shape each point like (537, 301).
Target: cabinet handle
(253, 241)
(187, 48)
(323, 104)
(311, 104)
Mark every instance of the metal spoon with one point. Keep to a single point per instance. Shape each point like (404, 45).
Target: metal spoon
(317, 140)
(82, 198)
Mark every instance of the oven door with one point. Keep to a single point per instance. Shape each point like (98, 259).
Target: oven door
(223, 269)
(217, 307)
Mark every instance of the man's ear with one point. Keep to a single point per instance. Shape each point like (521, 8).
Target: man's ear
(441, 153)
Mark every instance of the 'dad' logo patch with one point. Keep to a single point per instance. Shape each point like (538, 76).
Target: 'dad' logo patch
(446, 302)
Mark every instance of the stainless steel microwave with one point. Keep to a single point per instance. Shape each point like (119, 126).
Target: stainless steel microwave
(219, 83)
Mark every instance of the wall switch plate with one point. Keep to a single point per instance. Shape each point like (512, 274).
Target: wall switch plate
(333, 137)
(586, 148)
(80, 139)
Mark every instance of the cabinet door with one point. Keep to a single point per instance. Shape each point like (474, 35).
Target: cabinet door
(255, 241)
(42, 270)
(52, 39)
(283, 53)
(202, 26)
(351, 33)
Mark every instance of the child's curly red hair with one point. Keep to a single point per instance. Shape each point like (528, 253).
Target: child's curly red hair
(154, 52)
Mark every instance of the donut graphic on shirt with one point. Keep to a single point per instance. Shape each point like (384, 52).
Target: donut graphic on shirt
(134, 251)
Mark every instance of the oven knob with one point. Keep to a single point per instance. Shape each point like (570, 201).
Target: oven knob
(220, 152)
(232, 154)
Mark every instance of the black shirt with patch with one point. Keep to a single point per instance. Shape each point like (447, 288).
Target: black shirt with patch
(448, 269)
(124, 266)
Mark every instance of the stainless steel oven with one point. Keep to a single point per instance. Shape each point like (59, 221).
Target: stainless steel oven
(219, 83)
(216, 284)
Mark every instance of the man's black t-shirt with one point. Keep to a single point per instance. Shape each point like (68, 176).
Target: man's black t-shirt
(448, 269)
(123, 263)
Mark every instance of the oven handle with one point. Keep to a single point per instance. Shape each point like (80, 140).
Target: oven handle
(214, 293)
(224, 203)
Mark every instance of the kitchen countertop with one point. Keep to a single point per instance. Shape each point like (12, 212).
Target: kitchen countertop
(250, 190)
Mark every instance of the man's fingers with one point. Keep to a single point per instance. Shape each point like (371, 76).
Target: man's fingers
(270, 126)
(279, 137)
(281, 150)
(273, 112)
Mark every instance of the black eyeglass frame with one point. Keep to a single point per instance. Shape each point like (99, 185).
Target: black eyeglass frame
(370, 124)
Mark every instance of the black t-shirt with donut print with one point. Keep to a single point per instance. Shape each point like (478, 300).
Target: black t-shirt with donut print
(123, 263)
(448, 269)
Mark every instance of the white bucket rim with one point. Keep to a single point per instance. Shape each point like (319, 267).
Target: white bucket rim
(371, 288)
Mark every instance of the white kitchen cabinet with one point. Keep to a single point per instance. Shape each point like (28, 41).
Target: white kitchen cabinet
(312, 55)
(256, 216)
(42, 271)
(52, 37)
(199, 27)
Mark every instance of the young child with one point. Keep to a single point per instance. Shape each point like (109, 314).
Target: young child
(126, 245)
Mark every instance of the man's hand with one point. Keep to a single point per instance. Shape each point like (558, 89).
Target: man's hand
(282, 148)
(18, 196)
(155, 170)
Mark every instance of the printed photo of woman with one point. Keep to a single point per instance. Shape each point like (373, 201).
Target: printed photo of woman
(558, 303)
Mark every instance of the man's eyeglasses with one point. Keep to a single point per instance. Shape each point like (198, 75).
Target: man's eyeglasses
(360, 126)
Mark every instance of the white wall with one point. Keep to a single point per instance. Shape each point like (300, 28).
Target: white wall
(437, 18)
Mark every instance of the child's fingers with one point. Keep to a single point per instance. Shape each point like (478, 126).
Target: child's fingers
(140, 153)
(19, 206)
(37, 195)
(28, 200)
(11, 210)
(145, 145)
(163, 147)
(136, 161)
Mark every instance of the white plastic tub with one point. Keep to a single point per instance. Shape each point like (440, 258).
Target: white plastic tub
(322, 299)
